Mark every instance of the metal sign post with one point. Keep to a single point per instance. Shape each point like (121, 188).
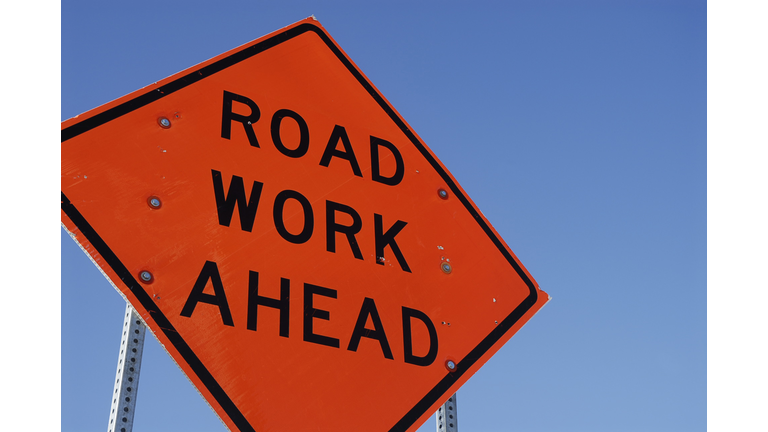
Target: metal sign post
(127, 377)
(447, 417)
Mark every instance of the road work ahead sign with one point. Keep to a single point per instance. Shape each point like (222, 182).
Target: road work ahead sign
(297, 249)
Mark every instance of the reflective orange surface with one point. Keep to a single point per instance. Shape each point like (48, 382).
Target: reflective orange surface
(316, 273)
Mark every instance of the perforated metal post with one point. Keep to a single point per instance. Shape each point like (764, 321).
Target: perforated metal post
(447, 417)
(127, 377)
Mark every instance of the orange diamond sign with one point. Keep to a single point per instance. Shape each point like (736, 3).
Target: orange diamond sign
(294, 245)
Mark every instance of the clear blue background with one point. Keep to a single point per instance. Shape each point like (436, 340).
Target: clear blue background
(578, 128)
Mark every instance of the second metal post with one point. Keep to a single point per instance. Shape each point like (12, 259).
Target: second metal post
(447, 417)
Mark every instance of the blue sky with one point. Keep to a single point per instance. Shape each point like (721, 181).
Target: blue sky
(578, 128)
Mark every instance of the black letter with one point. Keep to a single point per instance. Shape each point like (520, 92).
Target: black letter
(310, 313)
(225, 205)
(309, 218)
(408, 341)
(218, 298)
(388, 238)
(301, 150)
(331, 227)
(227, 117)
(369, 308)
(339, 133)
(254, 300)
(397, 177)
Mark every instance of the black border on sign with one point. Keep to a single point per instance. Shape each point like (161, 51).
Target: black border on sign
(162, 321)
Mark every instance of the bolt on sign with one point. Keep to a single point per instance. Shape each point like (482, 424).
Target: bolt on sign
(296, 248)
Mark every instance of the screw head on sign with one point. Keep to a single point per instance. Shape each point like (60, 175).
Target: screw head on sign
(450, 365)
(146, 276)
(442, 193)
(164, 122)
(446, 268)
(154, 202)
